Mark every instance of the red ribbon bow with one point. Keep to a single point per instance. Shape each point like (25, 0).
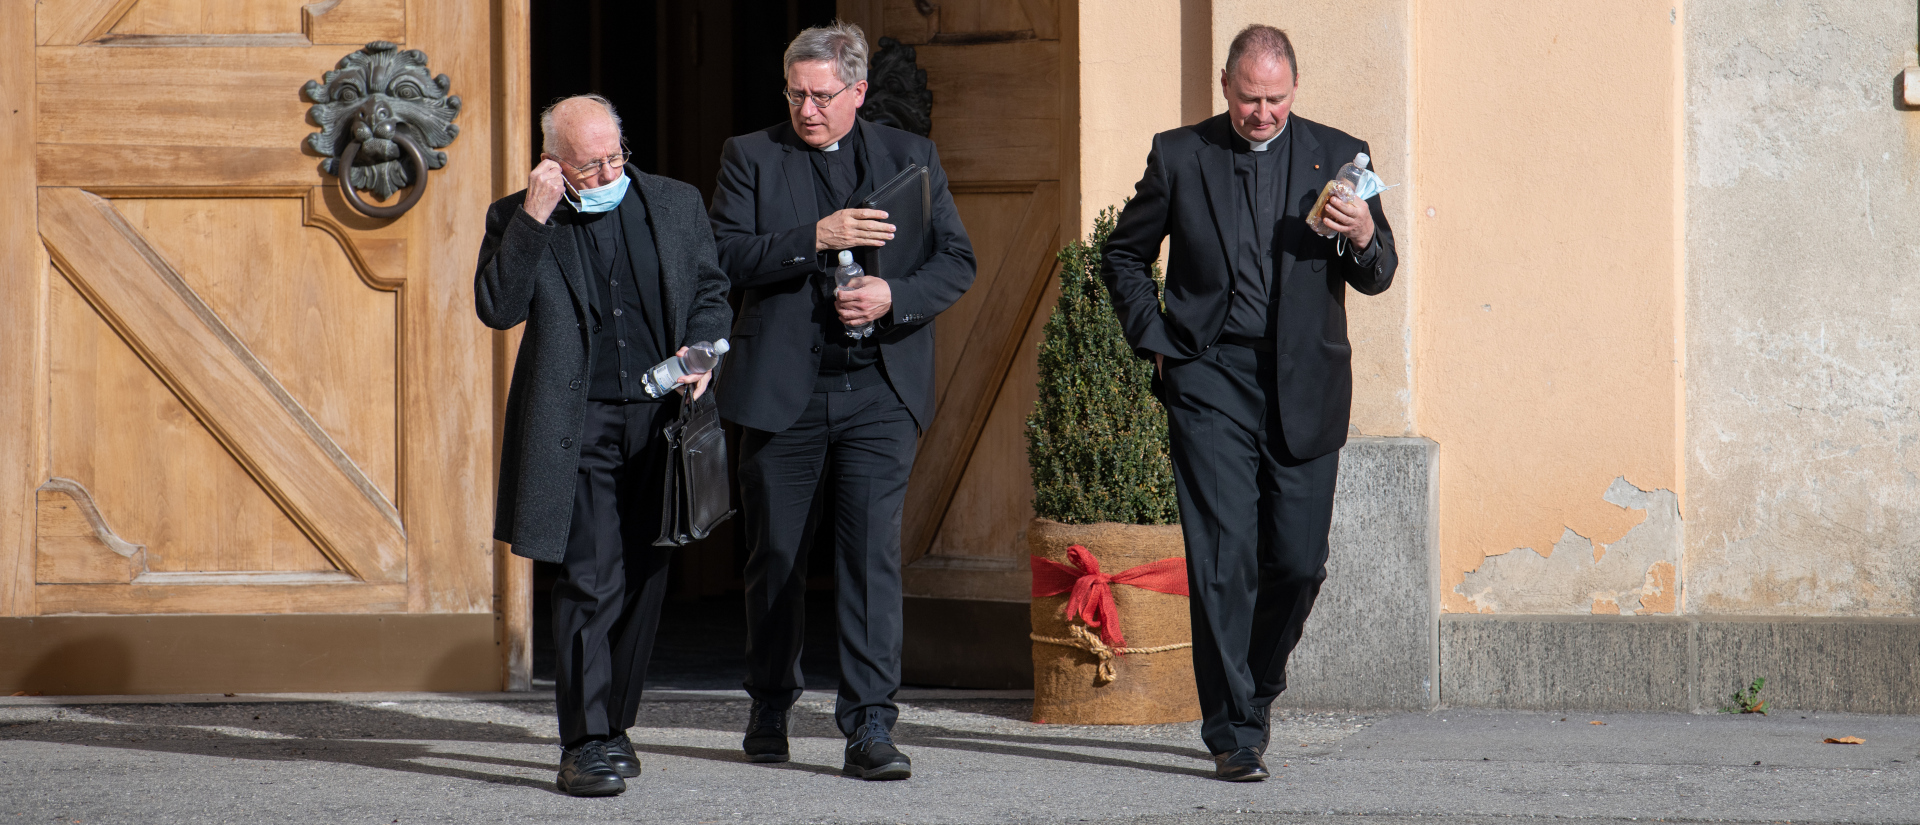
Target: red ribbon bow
(1092, 599)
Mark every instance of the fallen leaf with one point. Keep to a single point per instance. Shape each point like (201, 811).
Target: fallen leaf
(1596, 722)
(1846, 740)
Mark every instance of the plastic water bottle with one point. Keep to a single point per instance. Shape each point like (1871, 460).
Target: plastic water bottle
(843, 275)
(700, 358)
(1343, 185)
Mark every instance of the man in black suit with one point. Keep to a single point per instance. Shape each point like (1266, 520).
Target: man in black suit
(1254, 367)
(609, 284)
(815, 401)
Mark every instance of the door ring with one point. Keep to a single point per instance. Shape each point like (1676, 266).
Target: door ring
(414, 192)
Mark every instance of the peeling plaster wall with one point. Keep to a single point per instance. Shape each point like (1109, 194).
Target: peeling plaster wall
(1632, 576)
(1803, 317)
(1545, 198)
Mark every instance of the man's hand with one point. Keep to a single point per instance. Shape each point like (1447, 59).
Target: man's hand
(699, 382)
(849, 228)
(1352, 218)
(545, 186)
(865, 299)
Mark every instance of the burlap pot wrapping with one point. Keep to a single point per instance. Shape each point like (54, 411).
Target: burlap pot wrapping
(1148, 688)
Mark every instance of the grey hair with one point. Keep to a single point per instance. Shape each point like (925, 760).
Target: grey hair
(1264, 41)
(549, 140)
(841, 43)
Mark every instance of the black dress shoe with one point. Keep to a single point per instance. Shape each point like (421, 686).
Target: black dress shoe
(584, 771)
(766, 734)
(1240, 765)
(621, 756)
(871, 755)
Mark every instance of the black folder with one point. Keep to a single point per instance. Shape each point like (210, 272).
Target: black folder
(907, 198)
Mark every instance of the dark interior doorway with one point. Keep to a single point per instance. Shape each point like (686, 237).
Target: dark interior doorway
(684, 76)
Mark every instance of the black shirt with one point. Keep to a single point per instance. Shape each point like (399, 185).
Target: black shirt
(845, 363)
(625, 299)
(1262, 187)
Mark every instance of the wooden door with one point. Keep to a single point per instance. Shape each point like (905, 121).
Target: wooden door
(999, 74)
(228, 392)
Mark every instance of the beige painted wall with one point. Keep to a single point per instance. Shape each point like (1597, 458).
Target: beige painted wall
(1130, 89)
(1803, 231)
(1619, 311)
(1546, 331)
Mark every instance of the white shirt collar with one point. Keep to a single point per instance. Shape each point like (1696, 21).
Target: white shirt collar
(1262, 145)
(833, 147)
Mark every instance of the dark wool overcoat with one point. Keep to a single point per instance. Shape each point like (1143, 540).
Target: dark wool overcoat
(532, 272)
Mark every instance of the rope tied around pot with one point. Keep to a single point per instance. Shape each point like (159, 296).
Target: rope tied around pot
(1084, 639)
(1091, 599)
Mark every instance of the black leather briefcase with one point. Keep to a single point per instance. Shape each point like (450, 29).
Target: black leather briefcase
(907, 198)
(697, 497)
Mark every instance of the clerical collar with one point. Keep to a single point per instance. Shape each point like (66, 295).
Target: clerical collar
(831, 147)
(1262, 145)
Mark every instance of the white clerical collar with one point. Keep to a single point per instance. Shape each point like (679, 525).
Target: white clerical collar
(1262, 146)
(834, 147)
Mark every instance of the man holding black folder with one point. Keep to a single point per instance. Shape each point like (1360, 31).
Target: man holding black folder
(816, 401)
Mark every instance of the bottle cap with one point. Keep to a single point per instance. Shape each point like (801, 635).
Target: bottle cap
(846, 257)
(1361, 160)
(721, 346)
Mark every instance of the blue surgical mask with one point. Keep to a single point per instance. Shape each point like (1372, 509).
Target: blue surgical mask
(599, 199)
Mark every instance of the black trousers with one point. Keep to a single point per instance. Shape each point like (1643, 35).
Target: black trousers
(606, 601)
(866, 439)
(1255, 519)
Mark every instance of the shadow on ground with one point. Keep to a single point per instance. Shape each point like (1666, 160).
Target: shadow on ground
(397, 740)
(348, 739)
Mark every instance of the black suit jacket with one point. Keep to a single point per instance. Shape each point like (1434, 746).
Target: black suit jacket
(763, 214)
(532, 272)
(1188, 194)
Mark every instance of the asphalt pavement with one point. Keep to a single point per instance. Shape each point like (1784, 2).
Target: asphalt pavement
(421, 758)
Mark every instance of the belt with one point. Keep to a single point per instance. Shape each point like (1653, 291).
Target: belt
(1255, 344)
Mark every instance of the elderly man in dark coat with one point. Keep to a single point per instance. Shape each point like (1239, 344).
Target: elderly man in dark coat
(617, 279)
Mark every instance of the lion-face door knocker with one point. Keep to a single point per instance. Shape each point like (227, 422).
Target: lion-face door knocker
(375, 110)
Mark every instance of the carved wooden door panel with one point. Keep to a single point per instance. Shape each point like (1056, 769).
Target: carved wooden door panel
(246, 396)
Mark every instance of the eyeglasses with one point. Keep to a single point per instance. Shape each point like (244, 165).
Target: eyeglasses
(795, 99)
(593, 166)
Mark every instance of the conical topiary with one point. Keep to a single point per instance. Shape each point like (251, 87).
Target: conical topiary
(1097, 439)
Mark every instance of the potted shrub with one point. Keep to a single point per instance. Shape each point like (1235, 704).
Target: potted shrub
(1111, 637)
